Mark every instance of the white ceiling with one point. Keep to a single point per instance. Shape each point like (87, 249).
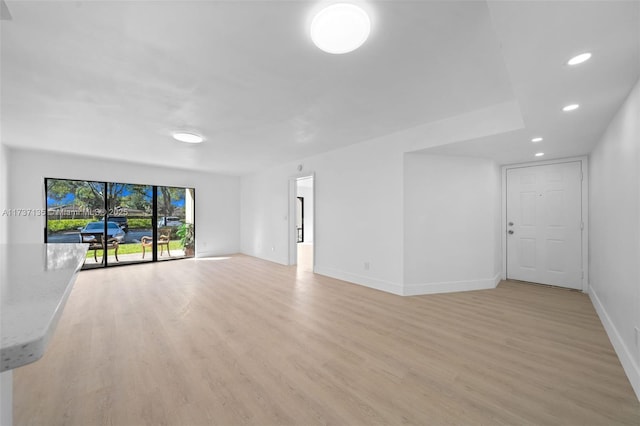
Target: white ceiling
(112, 79)
(537, 39)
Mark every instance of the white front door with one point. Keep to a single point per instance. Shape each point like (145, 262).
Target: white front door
(544, 224)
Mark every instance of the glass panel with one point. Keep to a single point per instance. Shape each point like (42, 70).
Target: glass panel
(130, 210)
(74, 211)
(176, 234)
(188, 237)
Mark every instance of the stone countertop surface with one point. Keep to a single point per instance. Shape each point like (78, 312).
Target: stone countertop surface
(35, 282)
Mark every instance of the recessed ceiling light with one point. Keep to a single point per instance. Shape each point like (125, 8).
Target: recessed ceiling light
(539, 154)
(340, 28)
(538, 139)
(187, 137)
(571, 107)
(583, 57)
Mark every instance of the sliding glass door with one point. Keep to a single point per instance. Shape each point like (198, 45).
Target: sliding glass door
(120, 222)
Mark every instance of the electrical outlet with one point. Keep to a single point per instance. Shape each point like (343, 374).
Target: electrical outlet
(366, 266)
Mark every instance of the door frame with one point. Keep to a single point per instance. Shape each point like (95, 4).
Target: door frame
(584, 164)
(293, 233)
(300, 238)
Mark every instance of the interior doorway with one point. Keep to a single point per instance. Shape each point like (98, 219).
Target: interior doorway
(304, 223)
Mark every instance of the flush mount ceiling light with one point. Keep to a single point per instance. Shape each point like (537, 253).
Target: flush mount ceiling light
(187, 137)
(538, 139)
(340, 28)
(583, 57)
(571, 107)
(539, 154)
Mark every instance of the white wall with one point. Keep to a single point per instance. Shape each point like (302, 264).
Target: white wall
(451, 223)
(358, 214)
(614, 246)
(6, 378)
(4, 193)
(217, 196)
(306, 192)
(359, 202)
(409, 219)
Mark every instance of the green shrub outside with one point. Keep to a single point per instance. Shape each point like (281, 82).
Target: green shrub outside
(60, 225)
(67, 224)
(140, 223)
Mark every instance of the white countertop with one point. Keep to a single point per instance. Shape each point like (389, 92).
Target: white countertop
(35, 282)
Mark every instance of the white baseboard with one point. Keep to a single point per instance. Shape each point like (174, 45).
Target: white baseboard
(200, 254)
(387, 286)
(203, 254)
(266, 257)
(411, 289)
(452, 286)
(630, 366)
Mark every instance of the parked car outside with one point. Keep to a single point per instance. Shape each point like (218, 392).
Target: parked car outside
(120, 220)
(92, 228)
(169, 221)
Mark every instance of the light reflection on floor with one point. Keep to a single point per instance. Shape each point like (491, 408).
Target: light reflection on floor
(305, 257)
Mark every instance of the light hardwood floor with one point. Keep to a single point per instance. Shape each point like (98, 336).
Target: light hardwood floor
(243, 341)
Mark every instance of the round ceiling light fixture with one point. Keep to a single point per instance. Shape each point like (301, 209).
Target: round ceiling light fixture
(340, 28)
(571, 107)
(536, 139)
(539, 154)
(583, 57)
(187, 137)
